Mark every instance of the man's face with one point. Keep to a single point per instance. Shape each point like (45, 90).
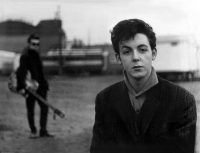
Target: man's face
(136, 56)
(34, 44)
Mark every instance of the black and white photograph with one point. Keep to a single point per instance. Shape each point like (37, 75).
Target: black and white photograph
(99, 76)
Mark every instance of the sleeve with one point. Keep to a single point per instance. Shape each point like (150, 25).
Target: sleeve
(43, 81)
(21, 72)
(98, 129)
(182, 132)
(43, 84)
(185, 129)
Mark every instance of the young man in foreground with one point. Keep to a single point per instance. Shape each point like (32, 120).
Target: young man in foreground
(143, 113)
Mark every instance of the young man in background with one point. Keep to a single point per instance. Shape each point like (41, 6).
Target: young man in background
(30, 63)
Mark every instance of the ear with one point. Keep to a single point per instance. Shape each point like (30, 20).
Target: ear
(118, 58)
(154, 54)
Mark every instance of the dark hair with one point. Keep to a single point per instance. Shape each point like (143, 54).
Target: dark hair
(33, 36)
(127, 29)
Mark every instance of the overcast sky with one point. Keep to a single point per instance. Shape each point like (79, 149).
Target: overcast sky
(91, 20)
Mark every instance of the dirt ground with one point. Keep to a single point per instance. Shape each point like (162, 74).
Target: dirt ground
(73, 95)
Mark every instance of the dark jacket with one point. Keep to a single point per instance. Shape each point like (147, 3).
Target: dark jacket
(31, 61)
(165, 124)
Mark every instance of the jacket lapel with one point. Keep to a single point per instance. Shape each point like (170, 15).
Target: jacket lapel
(125, 110)
(127, 113)
(149, 108)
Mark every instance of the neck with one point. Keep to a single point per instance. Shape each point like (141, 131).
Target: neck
(139, 83)
(33, 50)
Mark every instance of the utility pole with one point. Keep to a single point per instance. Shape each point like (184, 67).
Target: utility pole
(59, 22)
(88, 35)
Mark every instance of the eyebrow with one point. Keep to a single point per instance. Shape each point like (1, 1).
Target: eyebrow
(124, 46)
(141, 45)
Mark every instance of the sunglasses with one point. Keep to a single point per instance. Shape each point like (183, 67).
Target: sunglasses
(35, 44)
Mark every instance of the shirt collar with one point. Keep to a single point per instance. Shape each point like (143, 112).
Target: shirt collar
(152, 81)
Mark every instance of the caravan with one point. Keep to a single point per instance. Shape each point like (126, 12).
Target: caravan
(8, 61)
(177, 58)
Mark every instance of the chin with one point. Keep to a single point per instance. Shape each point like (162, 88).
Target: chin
(138, 76)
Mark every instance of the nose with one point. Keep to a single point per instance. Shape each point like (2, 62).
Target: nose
(135, 55)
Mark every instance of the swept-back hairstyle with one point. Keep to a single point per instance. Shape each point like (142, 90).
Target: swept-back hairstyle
(33, 36)
(127, 29)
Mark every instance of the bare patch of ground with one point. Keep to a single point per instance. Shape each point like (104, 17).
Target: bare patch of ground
(73, 95)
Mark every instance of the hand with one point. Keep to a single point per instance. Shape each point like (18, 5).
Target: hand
(22, 92)
(32, 84)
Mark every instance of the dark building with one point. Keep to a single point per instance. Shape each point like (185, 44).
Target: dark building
(51, 34)
(13, 35)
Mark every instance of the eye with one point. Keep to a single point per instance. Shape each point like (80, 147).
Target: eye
(125, 51)
(142, 49)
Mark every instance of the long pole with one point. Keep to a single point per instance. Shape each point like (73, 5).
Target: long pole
(60, 51)
(60, 58)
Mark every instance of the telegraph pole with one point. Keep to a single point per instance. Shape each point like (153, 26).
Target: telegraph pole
(88, 43)
(59, 22)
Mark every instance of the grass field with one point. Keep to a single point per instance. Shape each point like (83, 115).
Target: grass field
(73, 95)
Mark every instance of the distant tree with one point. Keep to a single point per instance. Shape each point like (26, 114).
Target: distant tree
(77, 43)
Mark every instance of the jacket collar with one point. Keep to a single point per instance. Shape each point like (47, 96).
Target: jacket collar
(128, 114)
(152, 81)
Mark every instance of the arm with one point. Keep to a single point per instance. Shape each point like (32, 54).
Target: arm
(182, 128)
(185, 128)
(98, 133)
(21, 73)
(43, 81)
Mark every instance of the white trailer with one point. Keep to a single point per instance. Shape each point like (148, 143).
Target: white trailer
(7, 59)
(178, 57)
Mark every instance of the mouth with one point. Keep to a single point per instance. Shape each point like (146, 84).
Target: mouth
(137, 67)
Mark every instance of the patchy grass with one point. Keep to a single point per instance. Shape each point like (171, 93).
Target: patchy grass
(75, 96)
